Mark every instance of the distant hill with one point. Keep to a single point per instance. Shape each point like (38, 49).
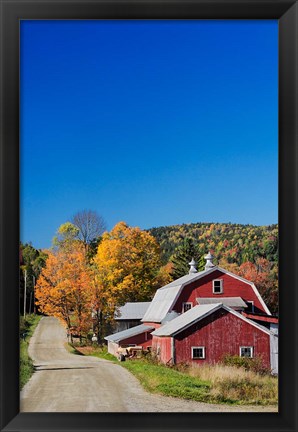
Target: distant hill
(233, 243)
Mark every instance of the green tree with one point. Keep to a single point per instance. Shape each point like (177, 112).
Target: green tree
(182, 257)
(32, 261)
(67, 233)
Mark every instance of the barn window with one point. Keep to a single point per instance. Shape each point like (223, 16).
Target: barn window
(186, 306)
(217, 286)
(246, 351)
(197, 352)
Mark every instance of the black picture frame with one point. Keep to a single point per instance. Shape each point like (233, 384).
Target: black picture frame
(11, 13)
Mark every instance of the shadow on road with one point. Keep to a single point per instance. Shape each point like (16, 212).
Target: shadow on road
(40, 368)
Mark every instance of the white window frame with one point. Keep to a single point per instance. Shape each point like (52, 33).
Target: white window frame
(221, 286)
(198, 347)
(186, 303)
(251, 351)
(252, 305)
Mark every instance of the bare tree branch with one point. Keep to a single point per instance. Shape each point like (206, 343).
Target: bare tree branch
(91, 225)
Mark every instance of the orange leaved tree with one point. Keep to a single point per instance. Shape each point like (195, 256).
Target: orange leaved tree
(265, 275)
(63, 289)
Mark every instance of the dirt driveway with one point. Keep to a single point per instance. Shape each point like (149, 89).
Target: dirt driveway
(65, 382)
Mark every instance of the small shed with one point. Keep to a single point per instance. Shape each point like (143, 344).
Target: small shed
(135, 336)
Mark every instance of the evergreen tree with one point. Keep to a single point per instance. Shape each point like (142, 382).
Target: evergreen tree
(183, 255)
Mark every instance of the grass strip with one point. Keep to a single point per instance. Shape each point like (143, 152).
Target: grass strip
(167, 381)
(27, 327)
(156, 378)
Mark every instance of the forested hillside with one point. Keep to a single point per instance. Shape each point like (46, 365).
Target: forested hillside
(232, 243)
(247, 250)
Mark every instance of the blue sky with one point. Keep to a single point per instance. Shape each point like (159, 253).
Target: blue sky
(150, 122)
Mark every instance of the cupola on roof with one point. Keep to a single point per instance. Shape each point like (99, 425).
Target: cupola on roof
(209, 264)
(192, 267)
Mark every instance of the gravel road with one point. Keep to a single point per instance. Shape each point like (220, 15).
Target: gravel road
(65, 382)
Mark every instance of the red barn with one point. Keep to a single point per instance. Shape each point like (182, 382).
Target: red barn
(204, 315)
(206, 332)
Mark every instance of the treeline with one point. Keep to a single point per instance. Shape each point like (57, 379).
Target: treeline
(232, 243)
(89, 272)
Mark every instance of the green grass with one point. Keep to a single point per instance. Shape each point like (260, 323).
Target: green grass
(72, 349)
(103, 353)
(167, 381)
(161, 379)
(217, 384)
(26, 366)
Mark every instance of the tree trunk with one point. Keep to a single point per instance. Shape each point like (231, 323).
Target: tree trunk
(99, 327)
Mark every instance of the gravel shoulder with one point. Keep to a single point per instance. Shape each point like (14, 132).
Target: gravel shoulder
(64, 382)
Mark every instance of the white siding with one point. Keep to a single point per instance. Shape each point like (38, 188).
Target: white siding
(274, 353)
(112, 347)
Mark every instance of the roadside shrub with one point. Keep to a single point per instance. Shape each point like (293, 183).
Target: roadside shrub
(152, 357)
(259, 390)
(255, 364)
(233, 384)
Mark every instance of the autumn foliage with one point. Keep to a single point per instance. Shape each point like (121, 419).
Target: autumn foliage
(85, 292)
(84, 295)
(264, 275)
(127, 263)
(63, 288)
(248, 250)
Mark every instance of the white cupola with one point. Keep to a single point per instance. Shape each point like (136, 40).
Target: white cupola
(192, 267)
(209, 264)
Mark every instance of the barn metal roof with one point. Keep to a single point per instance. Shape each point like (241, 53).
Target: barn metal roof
(196, 314)
(165, 297)
(161, 304)
(170, 316)
(117, 337)
(228, 301)
(187, 318)
(184, 279)
(132, 311)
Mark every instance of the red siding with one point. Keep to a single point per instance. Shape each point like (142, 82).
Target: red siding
(139, 340)
(268, 319)
(152, 324)
(231, 288)
(163, 348)
(221, 333)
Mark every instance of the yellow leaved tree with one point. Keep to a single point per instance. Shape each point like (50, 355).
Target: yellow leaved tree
(127, 269)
